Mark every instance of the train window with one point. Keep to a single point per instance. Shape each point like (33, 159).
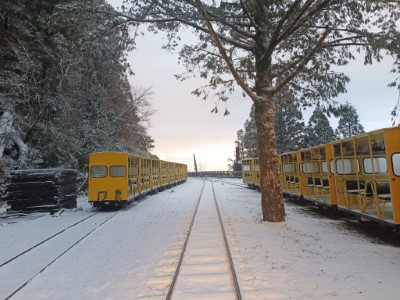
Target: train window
(310, 167)
(332, 166)
(324, 166)
(346, 167)
(287, 168)
(380, 165)
(117, 171)
(396, 164)
(98, 171)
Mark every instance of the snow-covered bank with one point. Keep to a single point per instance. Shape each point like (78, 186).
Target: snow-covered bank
(134, 254)
(117, 259)
(308, 256)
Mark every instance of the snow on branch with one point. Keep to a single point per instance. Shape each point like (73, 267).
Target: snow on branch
(6, 131)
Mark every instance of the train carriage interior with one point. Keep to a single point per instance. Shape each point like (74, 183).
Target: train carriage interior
(362, 178)
(314, 174)
(290, 178)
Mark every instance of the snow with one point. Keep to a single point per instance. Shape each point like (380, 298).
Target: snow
(134, 253)
(6, 128)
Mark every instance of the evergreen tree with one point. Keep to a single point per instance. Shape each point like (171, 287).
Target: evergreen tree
(240, 143)
(319, 131)
(349, 122)
(289, 124)
(289, 127)
(250, 137)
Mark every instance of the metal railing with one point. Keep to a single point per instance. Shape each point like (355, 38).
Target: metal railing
(219, 174)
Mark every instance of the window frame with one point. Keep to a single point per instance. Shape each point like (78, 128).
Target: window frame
(117, 166)
(97, 166)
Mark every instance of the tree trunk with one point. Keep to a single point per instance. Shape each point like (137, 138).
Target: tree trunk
(271, 193)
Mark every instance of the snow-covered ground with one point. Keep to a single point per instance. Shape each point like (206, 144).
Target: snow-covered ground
(133, 254)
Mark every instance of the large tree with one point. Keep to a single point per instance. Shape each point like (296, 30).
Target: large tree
(349, 121)
(264, 46)
(289, 124)
(319, 130)
(289, 127)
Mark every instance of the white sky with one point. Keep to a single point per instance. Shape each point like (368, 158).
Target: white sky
(183, 125)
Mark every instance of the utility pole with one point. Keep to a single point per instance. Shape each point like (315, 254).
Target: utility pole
(195, 164)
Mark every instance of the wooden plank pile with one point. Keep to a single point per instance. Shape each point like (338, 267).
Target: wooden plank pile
(41, 189)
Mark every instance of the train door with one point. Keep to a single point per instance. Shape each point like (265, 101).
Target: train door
(331, 173)
(392, 143)
(246, 171)
(392, 138)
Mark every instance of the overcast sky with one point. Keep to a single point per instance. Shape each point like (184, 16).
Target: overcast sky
(182, 124)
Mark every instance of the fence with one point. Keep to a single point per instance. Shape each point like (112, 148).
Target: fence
(219, 174)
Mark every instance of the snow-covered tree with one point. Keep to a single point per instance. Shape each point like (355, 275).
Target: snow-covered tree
(240, 142)
(264, 46)
(250, 137)
(349, 122)
(64, 85)
(319, 130)
(289, 127)
(289, 124)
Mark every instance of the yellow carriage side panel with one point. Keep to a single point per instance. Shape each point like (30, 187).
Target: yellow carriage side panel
(288, 173)
(246, 171)
(331, 172)
(145, 172)
(155, 173)
(392, 138)
(298, 161)
(256, 172)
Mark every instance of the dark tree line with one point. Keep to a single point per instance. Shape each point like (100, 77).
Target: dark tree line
(64, 90)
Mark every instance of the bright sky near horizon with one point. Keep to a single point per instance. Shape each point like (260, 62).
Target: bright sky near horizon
(182, 124)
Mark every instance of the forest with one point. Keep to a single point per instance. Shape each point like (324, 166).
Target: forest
(64, 90)
(291, 131)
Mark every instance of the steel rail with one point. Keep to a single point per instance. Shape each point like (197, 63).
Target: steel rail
(59, 256)
(228, 251)
(45, 240)
(174, 279)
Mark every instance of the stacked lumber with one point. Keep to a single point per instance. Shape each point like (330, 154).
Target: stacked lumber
(41, 189)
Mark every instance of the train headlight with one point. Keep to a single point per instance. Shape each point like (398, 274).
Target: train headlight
(117, 195)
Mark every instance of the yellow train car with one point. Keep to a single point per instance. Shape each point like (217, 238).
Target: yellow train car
(359, 175)
(251, 172)
(117, 177)
(290, 174)
(314, 174)
(367, 175)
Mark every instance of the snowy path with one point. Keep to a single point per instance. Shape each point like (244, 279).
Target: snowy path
(205, 271)
(308, 256)
(115, 261)
(30, 264)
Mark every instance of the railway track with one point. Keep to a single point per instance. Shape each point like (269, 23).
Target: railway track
(36, 259)
(205, 266)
